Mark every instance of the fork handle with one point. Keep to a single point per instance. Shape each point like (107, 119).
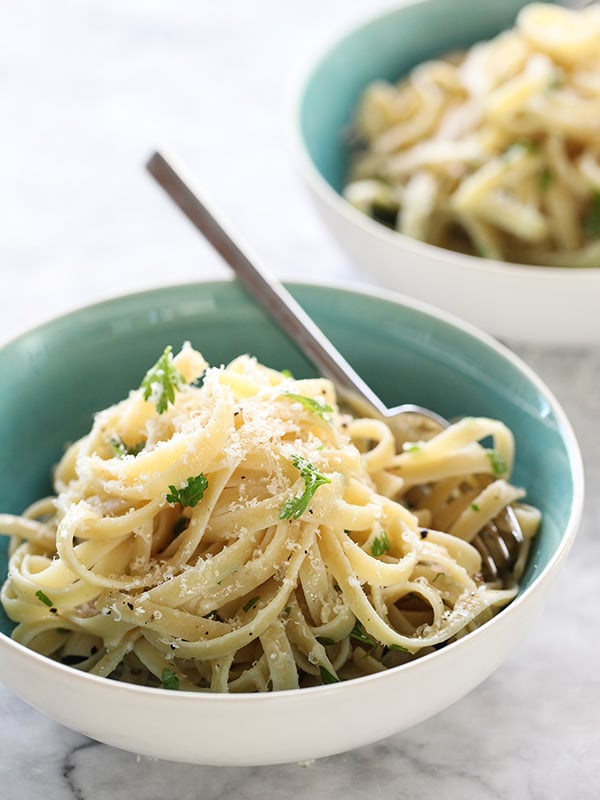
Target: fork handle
(263, 286)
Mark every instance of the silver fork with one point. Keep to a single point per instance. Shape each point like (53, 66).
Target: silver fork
(499, 544)
(500, 540)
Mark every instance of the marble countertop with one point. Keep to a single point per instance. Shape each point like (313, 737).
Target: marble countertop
(88, 90)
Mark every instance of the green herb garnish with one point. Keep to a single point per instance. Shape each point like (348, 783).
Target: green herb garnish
(161, 381)
(380, 544)
(287, 373)
(169, 679)
(474, 506)
(398, 647)
(325, 640)
(295, 507)
(43, 598)
(326, 676)
(497, 461)
(250, 603)
(438, 575)
(121, 449)
(544, 178)
(523, 144)
(359, 633)
(591, 221)
(555, 82)
(481, 251)
(310, 404)
(190, 493)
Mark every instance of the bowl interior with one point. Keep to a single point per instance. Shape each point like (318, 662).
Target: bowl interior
(386, 48)
(65, 370)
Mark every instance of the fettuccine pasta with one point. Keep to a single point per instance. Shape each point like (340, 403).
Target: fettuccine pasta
(494, 151)
(232, 530)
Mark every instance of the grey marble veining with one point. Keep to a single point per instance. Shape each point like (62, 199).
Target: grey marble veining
(87, 90)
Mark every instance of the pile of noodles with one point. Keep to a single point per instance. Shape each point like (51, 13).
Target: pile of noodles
(494, 151)
(230, 529)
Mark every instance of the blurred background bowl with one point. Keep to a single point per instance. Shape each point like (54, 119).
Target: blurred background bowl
(65, 370)
(516, 302)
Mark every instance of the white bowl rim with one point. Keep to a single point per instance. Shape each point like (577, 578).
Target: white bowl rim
(396, 298)
(370, 226)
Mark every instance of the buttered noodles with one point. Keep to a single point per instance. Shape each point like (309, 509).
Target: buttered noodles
(495, 151)
(243, 534)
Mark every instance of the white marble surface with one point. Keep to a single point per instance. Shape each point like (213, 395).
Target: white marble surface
(87, 90)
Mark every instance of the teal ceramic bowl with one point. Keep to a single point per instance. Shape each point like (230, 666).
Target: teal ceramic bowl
(69, 368)
(387, 46)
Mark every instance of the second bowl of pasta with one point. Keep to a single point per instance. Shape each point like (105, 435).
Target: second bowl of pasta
(452, 150)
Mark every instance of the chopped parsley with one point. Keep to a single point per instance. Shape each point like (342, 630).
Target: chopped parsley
(311, 404)
(326, 676)
(287, 373)
(161, 381)
(190, 493)
(497, 461)
(410, 447)
(544, 178)
(169, 679)
(325, 640)
(474, 506)
(43, 598)
(555, 82)
(359, 633)
(380, 544)
(482, 252)
(296, 506)
(250, 603)
(591, 221)
(121, 449)
(528, 145)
